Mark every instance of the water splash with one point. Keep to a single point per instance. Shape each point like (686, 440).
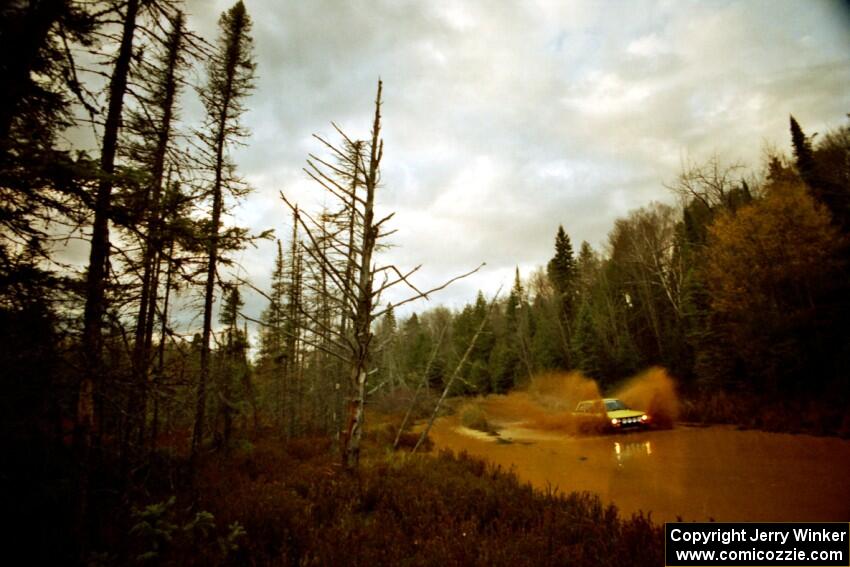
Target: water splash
(652, 391)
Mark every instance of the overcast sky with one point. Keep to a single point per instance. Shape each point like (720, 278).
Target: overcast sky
(503, 120)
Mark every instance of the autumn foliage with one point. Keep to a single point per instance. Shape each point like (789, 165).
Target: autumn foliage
(772, 255)
(770, 268)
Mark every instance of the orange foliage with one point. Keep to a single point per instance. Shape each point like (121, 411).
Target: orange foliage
(771, 254)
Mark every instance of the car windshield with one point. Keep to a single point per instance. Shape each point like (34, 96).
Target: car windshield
(614, 405)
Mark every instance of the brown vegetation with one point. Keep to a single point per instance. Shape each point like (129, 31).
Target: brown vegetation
(751, 412)
(473, 416)
(298, 507)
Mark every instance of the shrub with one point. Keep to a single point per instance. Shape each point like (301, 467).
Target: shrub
(420, 510)
(473, 416)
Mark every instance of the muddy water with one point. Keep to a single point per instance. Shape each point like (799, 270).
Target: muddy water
(689, 472)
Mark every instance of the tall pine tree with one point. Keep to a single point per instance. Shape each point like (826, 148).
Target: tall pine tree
(230, 80)
(561, 270)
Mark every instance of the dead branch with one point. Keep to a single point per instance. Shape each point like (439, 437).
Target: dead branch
(457, 370)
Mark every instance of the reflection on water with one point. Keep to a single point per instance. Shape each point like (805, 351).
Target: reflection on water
(627, 450)
(695, 473)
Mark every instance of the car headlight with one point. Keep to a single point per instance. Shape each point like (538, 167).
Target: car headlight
(615, 421)
(644, 417)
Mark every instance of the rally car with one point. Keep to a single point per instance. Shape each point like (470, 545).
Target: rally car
(610, 414)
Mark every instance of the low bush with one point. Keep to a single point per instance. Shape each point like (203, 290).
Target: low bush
(417, 510)
(291, 503)
(753, 412)
(473, 416)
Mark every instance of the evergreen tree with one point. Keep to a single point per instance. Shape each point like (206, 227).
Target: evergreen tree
(232, 359)
(293, 331)
(414, 346)
(38, 181)
(230, 80)
(386, 339)
(803, 154)
(825, 170)
(153, 128)
(561, 268)
(272, 338)
(585, 345)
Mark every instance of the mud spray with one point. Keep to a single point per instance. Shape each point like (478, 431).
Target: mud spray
(551, 397)
(654, 392)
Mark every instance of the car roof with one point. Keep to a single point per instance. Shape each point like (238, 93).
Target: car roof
(600, 399)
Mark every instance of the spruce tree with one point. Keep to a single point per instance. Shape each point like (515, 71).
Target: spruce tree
(38, 181)
(561, 268)
(153, 127)
(230, 80)
(803, 154)
(562, 274)
(232, 355)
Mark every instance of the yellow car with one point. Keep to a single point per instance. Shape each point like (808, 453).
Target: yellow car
(609, 413)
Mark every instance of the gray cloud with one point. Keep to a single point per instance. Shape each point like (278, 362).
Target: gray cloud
(503, 120)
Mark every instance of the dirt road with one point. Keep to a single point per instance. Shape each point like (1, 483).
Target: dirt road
(696, 473)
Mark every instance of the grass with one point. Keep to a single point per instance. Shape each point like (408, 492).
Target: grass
(274, 503)
(406, 509)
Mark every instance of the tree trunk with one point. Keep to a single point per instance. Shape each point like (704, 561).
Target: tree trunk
(90, 388)
(160, 366)
(220, 138)
(363, 314)
(153, 240)
(89, 395)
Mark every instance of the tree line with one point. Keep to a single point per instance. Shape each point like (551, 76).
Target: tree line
(739, 286)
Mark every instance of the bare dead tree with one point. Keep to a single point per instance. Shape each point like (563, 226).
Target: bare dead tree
(711, 183)
(347, 259)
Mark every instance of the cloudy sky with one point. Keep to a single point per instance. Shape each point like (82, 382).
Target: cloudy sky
(503, 120)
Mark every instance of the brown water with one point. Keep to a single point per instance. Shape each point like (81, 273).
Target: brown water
(692, 472)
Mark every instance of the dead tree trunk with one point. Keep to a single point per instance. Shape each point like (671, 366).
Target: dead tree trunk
(153, 241)
(160, 365)
(363, 313)
(357, 293)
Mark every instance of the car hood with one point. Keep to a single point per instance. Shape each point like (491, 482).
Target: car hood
(624, 413)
